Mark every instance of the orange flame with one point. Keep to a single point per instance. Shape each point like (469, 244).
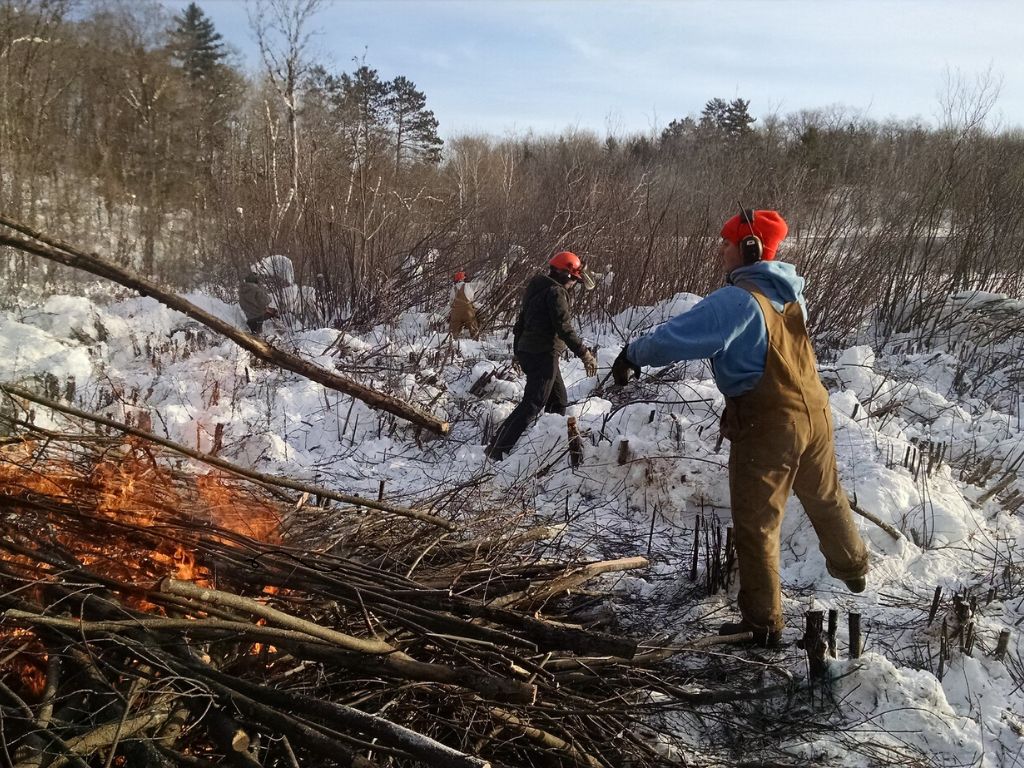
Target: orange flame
(129, 487)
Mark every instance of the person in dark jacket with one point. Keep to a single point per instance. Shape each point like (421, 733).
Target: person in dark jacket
(255, 303)
(541, 334)
(777, 415)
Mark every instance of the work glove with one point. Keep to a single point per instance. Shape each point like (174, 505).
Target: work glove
(589, 362)
(517, 367)
(272, 312)
(623, 370)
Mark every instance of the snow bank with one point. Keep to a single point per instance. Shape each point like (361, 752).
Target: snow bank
(892, 408)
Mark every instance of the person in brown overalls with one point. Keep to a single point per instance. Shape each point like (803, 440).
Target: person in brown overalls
(777, 415)
(463, 313)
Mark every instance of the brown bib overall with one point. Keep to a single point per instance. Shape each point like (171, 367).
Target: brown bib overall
(781, 434)
(463, 315)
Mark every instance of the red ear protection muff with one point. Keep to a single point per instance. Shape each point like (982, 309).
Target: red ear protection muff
(751, 247)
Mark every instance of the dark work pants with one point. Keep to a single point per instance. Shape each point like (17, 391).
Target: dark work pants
(545, 391)
(256, 323)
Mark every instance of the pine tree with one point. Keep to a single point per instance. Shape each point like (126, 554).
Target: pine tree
(212, 86)
(731, 119)
(413, 125)
(379, 119)
(363, 96)
(713, 115)
(737, 120)
(677, 131)
(196, 46)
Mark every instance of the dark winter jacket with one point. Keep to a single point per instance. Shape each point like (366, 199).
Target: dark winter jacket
(544, 323)
(253, 299)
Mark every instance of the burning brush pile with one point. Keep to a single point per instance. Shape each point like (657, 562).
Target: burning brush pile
(156, 616)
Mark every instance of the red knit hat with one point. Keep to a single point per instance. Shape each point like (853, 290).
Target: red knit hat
(769, 226)
(460, 276)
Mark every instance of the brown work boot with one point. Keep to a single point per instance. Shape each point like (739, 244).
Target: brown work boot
(766, 638)
(856, 584)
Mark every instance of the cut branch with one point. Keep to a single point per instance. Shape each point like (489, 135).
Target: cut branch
(877, 521)
(549, 740)
(40, 244)
(426, 749)
(108, 734)
(393, 659)
(569, 581)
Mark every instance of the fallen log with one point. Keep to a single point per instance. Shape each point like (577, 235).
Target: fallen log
(337, 578)
(701, 697)
(206, 629)
(40, 244)
(228, 734)
(234, 738)
(647, 658)
(441, 611)
(237, 602)
(322, 743)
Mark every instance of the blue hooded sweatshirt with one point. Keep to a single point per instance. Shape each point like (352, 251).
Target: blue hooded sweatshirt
(727, 327)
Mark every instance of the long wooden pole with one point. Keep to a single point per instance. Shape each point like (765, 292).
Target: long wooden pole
(40, 244)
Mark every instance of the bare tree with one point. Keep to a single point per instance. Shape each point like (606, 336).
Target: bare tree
(282, 33)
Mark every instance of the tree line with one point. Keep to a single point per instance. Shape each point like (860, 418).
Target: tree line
(139, 134)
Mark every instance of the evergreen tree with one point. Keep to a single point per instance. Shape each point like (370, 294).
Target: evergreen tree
(642, 149)
(196, 45)
(713, 115)
(414, 126)
(731, 119)
(674, 137)
(377, 119)
(362, 105)
(363, 94)
(677, 129)
(738, 120)
(212, 86)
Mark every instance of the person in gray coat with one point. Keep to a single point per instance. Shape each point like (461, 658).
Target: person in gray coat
(255, 303)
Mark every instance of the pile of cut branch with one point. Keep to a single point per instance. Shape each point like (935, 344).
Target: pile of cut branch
(156, 616)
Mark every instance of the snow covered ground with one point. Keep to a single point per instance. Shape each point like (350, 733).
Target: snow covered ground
(929, 438)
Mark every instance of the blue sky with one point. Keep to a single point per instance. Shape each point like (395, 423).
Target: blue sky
(500, 66)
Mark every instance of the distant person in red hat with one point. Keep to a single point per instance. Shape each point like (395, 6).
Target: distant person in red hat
(777, 414)
(540, 335)
(463, 312)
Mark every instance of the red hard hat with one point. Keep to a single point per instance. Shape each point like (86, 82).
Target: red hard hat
(460, 276)
(567, 261)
